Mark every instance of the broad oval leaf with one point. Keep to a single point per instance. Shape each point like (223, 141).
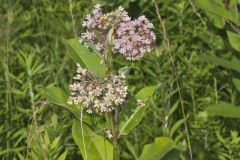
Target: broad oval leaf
(92, 146)
(158, 149)
(224, 109)
(82, 55)
(56, 95)
(59, 97)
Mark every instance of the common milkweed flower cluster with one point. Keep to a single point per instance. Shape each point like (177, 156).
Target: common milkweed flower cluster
(98, 95)
(131, 38)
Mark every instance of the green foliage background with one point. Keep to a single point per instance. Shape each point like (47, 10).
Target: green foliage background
(33, 56)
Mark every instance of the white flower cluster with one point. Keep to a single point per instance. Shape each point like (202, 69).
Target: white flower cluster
(97, 95)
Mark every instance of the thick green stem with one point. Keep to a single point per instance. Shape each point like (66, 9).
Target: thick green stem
(115, 134)
(112, 118)
(113, 126)
(115, 148)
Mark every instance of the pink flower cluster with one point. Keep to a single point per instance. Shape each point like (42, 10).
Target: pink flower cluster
(131, 38)
(134, 38)
(98, 26)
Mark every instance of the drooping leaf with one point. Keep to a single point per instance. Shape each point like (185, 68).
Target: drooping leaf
(234, 64)
(56, 95)
(82, 55)
(158, 149)
(234, 39)
(92, 146)
(132, 121)
(224, 109)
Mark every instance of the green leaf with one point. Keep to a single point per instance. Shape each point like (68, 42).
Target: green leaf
(131, 149)
(130, 122)
(82, 55)
(176, 126)
(63, 156)
(236, 82)
(55, 142)
(217, 20)
(171, 155)
(234, 39)
(158, 149)
(145, 93)
(56, 95)
(173, 108)
(46, 138)
(217, 9)
(224, 109)
(96, 146)
(234, 64)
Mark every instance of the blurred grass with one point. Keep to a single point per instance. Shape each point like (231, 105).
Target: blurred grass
(33, 56)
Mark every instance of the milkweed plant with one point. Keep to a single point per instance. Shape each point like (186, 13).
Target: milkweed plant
(98, 97)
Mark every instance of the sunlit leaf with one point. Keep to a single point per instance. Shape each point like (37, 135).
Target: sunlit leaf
(92, 146)
(158, 149)
(146, 92)
(82, 55)
(234, 39)
(63, 156)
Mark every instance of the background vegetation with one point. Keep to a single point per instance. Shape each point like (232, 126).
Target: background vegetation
(197, 35)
